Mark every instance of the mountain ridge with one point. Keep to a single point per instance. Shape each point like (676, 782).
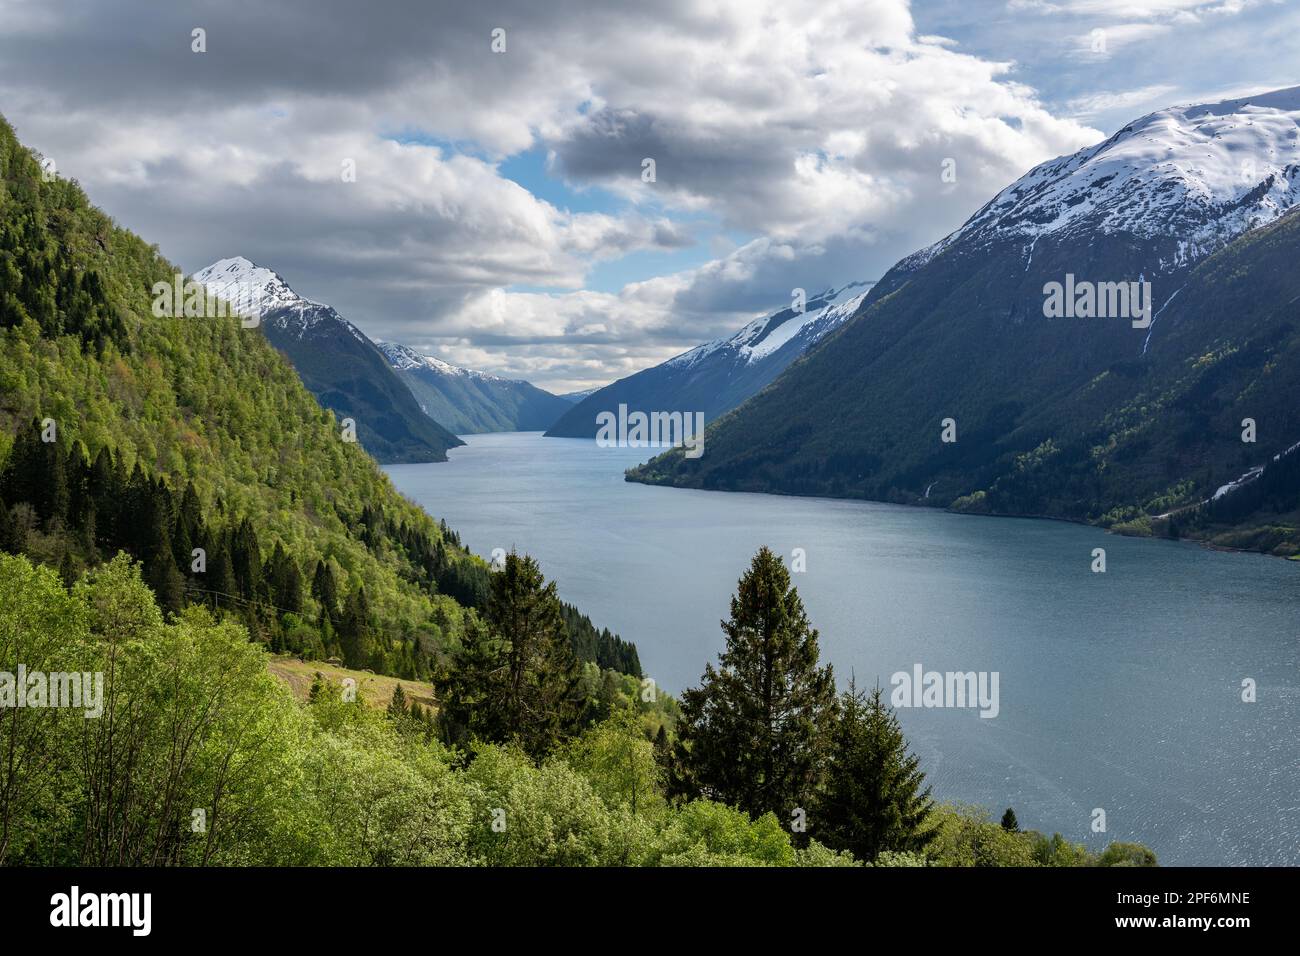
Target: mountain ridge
(959, 331)
(472, 402)
(715, 377)
(337, 362)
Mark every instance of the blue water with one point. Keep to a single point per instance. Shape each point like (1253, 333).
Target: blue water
(1119, 691)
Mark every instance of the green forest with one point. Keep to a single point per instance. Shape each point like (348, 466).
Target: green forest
(200, 757)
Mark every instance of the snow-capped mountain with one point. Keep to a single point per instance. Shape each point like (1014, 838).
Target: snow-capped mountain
(468, 401)
(1192, 177)
(257, 291)
(764, 337)
(1091, 418)
(404, 358)
(717, 376)
(335, 360)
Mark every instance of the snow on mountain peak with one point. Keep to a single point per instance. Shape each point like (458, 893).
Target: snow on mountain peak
(404, 358)
(252, 289)
(1201, 175)
(766, 335)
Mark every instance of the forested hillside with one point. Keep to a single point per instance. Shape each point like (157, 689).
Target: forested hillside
(192, 445)
(1051, 429)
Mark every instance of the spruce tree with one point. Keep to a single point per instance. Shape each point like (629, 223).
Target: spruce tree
(753, 733)
(160, 571)
(354, 632)
(326, 592)
(874, 798)
(536, 696)
(1009, 821)
(515, 680)
(219, 579)
(397, 706)
(8, 539)
(106, 498)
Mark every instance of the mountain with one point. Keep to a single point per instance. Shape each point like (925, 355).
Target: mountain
(574, 397)
(468, 402)
(339, 365)
(1090, 419)
(716, 377)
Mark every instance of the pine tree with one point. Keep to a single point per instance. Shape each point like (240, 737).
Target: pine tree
(354, 632)
(160, 571)
(753, 734)
(8, 537)
(326, 592)
(285, 581)
(22, 476)
(536, 697)
(1009, 821)
(219, 579)
(54, 498)
(105, 495)
(663, 750)
(397, 706)
(67, 570)
(873, 799)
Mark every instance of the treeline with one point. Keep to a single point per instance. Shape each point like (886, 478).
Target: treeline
(607, 650)
(63, 507)
(200, 757)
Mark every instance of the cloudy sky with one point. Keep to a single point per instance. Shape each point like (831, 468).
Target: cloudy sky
(500, 217)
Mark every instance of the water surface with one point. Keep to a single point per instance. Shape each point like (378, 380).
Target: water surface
(1119, 691)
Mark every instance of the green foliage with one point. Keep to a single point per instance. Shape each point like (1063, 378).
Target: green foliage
(621, 763)
(874, 799)
(197, 724)
(704, 833)
(1126, 854)
(964, 836)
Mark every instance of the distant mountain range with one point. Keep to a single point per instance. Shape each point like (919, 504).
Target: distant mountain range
(716, 377)
(468, 402)
(1083, 418)
(339, 365)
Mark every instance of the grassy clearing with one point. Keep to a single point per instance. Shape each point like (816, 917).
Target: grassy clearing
(375, 689)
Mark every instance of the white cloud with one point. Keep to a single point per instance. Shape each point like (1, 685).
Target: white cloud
(820, 127)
